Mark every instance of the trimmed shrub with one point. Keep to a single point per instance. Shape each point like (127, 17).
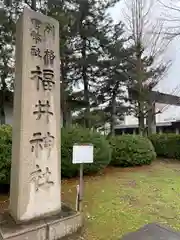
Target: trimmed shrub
(131, 150)
(5, 153)
(102, 151)
(166, 145)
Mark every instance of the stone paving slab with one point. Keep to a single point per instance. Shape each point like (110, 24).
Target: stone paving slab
(153, 231)
(63, 224)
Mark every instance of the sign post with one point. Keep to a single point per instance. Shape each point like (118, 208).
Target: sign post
(82, 153)
(81, 187)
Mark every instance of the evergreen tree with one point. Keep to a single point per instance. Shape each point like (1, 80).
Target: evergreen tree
(91, 56)
(9, 14)
(114, 67)
(7, 40)
(87, 48)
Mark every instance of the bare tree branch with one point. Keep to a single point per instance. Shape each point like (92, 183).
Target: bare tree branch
(150, 46)
(171, 17)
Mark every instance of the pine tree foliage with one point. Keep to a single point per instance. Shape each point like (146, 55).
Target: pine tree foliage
(98, 63)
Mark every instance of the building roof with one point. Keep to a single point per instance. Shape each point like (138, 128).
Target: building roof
(160, 124)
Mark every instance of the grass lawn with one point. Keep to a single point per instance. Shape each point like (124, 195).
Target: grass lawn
(122, 200)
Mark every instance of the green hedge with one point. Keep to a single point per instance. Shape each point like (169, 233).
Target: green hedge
(131, 150)
(102, 151)
(127, 150)
(166, 145)
(5, 153)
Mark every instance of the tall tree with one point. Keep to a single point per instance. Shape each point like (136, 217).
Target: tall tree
(171, 17)
(7, 32)
(61, 13)
(70, 100)
(87, 49)
(147, 64)
(114, 79)
(84, 26)
(9, 14)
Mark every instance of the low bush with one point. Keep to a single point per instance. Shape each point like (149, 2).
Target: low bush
(102, 151)
(127, 150)
(5, 153)
(166, 145)
(131, 150)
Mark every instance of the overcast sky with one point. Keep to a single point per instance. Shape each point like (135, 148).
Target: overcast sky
(172, 78)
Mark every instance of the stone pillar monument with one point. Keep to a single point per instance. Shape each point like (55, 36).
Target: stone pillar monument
(35, 211)
(35, 172)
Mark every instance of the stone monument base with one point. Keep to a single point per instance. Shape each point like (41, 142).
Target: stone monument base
(50, 228)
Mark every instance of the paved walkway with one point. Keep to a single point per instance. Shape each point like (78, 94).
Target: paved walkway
(153, 232)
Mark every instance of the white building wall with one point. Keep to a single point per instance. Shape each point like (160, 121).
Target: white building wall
(162, 117)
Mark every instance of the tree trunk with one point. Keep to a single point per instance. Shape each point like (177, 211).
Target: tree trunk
(87, 123)
(2, 113)
(69, 117)
(2, 101)
(151, 119)
(113, 115)
(64, 102)
(8, 2)
(33, 4)
(140, 90)
(141, 119)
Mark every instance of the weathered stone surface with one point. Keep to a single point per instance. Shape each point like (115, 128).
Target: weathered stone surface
(35, 173)
(12, 231)
(50, 228)
(59, 228)
(153, 232)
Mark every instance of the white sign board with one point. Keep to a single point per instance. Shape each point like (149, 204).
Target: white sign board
(83, 153)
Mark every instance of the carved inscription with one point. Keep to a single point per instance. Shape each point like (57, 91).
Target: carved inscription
(48, 29)
(43, 108)
(45, 76)
(39, 142)
(35, 30)
(41, 179)
(48, 142)
(49, 57)
(36, 52)
(40, 31)
(44, 80)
